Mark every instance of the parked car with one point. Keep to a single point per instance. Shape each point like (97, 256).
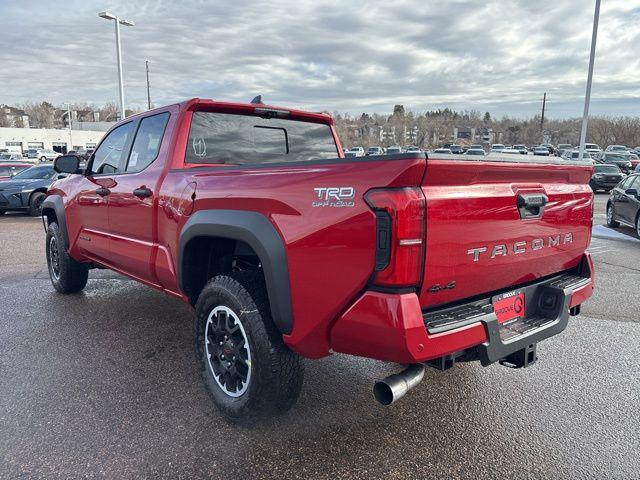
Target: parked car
(575, 155)
(443, 150)
(617, 148)
(605, 177)
(11, 157)
(592, 148)
(375, 151)
(497, 147)
(9, 169)
(621, 160)
(475, 147)
(563, 147)
(268, 279)
(511, 151)
(42, 154)
(26, 190)
(457, 149)
(623, 206)
(394, 150)
(475, 151)
(634, 159)
(522, 149)
(549, 147)
(358, 151)
(412, 149)
(541, 151)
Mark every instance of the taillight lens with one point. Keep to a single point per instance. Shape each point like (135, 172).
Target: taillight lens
(400, 235)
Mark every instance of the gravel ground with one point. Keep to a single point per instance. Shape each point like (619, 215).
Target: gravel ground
(105, 384)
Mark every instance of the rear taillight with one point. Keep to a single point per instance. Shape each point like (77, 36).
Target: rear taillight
(400, 235)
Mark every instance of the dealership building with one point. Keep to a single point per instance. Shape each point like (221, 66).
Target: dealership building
(18, 140)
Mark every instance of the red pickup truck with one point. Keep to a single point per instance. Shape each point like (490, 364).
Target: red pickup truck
(286, 249)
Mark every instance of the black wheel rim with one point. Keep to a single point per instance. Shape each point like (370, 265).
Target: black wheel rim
(54, 258)
(37, 203)
(228, 351)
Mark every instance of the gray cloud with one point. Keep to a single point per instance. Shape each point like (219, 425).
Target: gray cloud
(497, 55)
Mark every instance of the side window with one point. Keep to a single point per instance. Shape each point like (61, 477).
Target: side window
(147, 142)
(635, 182)
(626, 183)
(107, 158)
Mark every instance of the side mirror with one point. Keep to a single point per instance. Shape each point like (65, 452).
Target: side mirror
(632, 192)
(66, 164)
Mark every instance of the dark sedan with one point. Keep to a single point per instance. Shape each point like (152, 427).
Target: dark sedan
(605, 177)
(621, 160)
(26, 191)
(623, 206)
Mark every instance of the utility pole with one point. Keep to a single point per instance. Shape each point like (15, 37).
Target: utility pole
(587, 97)
(148, 91)
(544, 104)
(69, 119)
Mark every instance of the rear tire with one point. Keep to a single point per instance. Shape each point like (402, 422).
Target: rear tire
(263, 377)
(638, 224)
(2, 212)
(67, 275)
(611, 217)
(35, 204)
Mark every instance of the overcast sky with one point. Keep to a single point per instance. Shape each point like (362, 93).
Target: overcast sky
(347, 56)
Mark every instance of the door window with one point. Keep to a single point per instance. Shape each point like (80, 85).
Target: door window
(108, 157)
(147, 143)
(626, 183)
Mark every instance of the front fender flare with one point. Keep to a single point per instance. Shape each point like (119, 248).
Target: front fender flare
(259, 233)
(55, 203)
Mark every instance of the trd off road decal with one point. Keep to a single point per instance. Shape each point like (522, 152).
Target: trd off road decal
(334, 197)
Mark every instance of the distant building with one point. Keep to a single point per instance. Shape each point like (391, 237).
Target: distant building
(19, 140)
(13, 117)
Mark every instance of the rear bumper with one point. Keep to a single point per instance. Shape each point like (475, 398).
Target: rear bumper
(392, 327)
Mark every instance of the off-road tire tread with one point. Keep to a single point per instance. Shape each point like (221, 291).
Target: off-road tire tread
(279, 376)
(73, 274)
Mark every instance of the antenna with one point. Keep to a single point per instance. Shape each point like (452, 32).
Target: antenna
(257, 99)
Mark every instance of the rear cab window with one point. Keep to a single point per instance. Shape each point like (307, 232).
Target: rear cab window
(236, 139)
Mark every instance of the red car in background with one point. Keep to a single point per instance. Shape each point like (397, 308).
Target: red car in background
(9, 169)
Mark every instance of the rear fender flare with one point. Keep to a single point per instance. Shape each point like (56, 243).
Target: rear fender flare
(259, 233)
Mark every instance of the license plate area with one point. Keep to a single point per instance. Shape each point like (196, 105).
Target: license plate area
(509, 306)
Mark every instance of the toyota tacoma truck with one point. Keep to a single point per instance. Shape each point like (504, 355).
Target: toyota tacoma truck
(287, 250)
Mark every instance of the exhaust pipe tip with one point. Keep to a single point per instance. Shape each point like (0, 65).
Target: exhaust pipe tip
(394, 387)
(383, 394)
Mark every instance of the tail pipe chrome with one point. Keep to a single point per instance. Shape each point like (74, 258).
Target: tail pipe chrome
(394, 387)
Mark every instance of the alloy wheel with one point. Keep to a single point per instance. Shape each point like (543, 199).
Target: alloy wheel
(54, 258)
(228, 351)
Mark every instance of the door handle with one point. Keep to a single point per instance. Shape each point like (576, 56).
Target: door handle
(142, 192)
(531, 205)
(103, 191)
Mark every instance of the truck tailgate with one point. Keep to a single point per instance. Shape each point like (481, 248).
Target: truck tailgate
(492, 225)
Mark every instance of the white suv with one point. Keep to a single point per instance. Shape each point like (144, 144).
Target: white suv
(42, 154)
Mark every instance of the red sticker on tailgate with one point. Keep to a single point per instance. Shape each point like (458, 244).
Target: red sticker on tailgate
(509, 306)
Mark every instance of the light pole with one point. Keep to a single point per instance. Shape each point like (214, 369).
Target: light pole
(69, 119)
(118, 21)
(587, 97)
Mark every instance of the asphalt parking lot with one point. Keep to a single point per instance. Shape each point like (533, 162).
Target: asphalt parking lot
(105, 384)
